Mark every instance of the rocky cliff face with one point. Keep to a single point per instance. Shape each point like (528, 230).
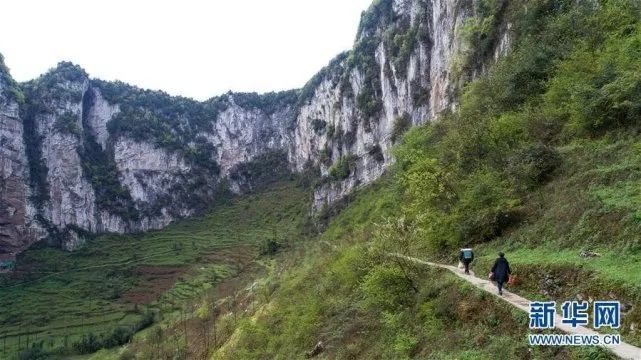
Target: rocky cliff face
(242, 135)
(357, 111)
(16, 230)
(133, 162)
(108, 157)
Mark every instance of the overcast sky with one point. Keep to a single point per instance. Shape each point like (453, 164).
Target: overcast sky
(189, 47)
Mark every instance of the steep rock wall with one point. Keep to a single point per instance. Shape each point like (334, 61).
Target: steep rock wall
(106, 157)
(413, 84)
(16, 230)
(95, 177)
(241, 135)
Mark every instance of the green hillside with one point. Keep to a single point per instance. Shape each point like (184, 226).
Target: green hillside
(361, 304)
(541, 160)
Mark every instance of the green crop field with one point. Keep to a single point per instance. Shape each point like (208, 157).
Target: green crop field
(57, 297)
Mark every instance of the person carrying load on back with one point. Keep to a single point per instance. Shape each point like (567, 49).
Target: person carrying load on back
(466, 256)
(500, 272)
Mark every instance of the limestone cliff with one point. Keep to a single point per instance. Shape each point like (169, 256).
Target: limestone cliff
(102, 156)
(398, 75)
(16, 228)
(403, 71)
(111, 158)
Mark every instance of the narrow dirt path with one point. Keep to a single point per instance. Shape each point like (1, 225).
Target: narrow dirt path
(623, 350)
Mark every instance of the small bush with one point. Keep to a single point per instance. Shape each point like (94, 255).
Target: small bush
(331, 130)
(387, 288)
(377, 153)
(88, 344)
(146, 321)
(17, 95)
(269, 247)
(401, 125)
(35, 352)
(119, 336)
(404, 344)
(67, 123)
(342, 169)
(325, 155)
(533, 165)
(369, 103)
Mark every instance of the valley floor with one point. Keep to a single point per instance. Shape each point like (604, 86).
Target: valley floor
(68, 303)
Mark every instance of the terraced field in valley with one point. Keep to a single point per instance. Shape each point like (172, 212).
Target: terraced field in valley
(55, 298)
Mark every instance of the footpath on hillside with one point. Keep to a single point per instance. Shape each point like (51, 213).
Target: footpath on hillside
(623, 350)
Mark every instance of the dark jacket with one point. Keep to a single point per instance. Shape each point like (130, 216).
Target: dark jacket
(501, 270)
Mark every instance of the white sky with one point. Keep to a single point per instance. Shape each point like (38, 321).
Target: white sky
(194, 48)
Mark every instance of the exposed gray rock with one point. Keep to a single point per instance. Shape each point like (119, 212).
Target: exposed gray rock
(240, 135)
(428, 73)
(99, 115)
(162, 183)
(15, 232)
(147, 170)
(588, 254)
(318, 348)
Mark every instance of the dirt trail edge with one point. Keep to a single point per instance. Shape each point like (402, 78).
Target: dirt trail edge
(623, 350)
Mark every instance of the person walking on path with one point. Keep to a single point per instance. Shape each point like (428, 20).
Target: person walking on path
(500, 272)
(466, 256)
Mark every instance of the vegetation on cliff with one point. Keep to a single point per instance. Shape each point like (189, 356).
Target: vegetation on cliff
(9, 85)
(541, 160)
